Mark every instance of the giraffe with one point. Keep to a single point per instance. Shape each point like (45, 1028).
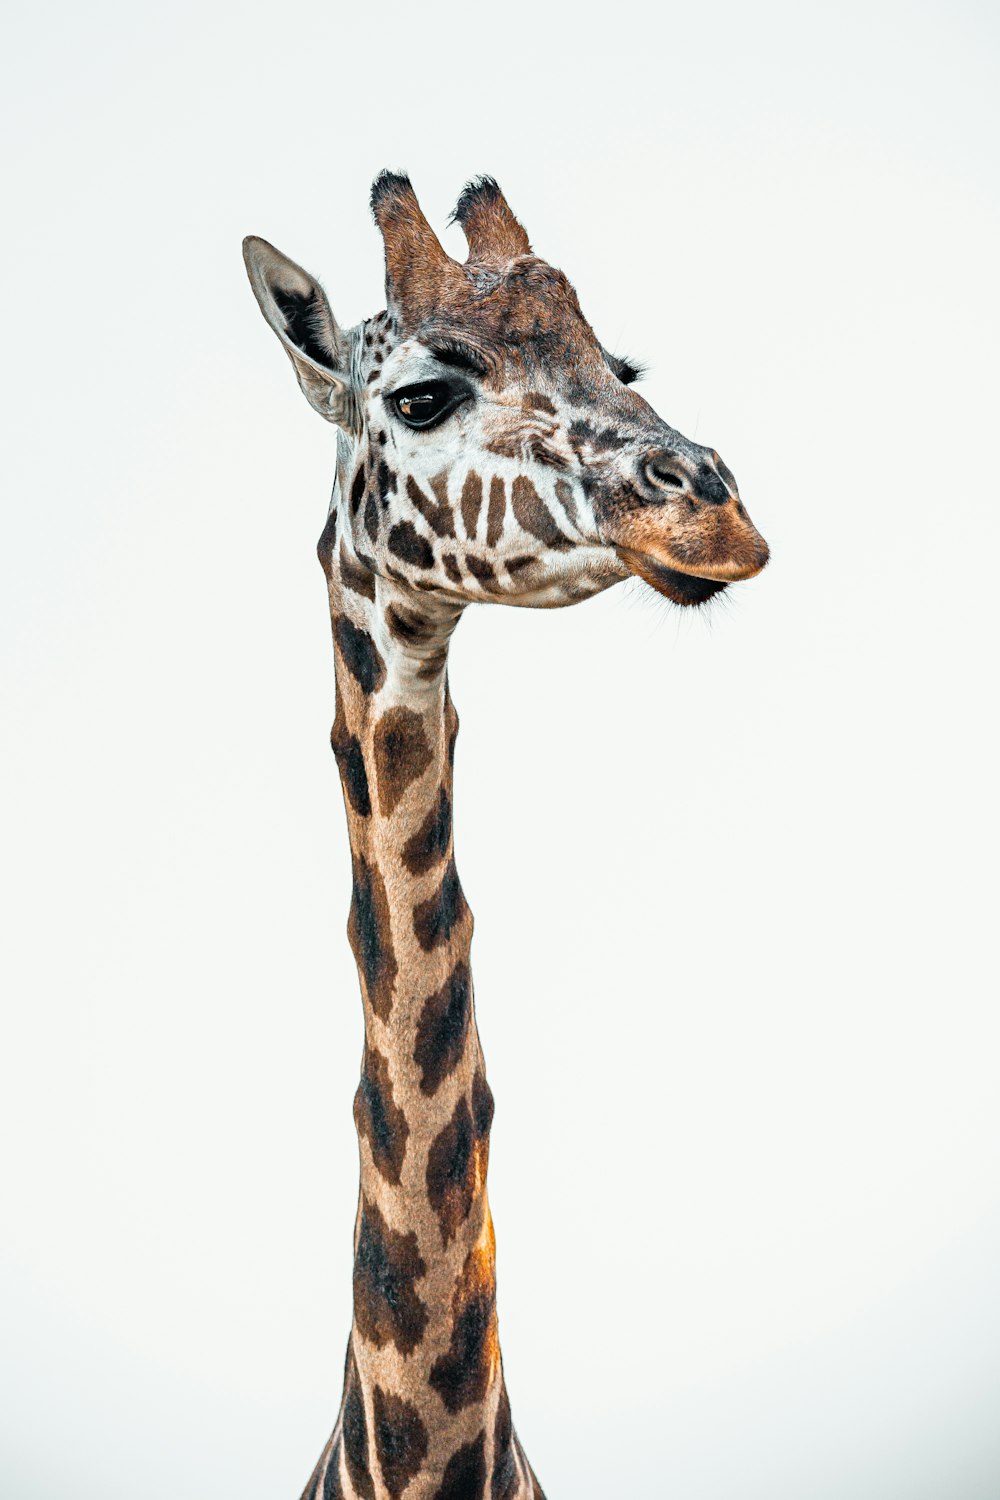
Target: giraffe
(489, 450)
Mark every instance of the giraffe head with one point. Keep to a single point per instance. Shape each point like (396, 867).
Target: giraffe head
(492, 448)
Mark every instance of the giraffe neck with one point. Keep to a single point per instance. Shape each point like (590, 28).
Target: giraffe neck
(424, 1408)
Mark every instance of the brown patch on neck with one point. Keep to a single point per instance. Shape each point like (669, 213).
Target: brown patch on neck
(465, 1373)
(387, 1308)
(400, 1440)
(465, 1474)
(402, 754)
(443, 1029)
(369, 933)
(458, 1158)
(435, 919)
(377, 1117)
(354, 1429)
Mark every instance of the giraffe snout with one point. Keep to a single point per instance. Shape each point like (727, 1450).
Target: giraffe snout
(685, 529)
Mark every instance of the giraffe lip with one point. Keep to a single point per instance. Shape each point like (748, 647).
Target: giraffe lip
(680, 588)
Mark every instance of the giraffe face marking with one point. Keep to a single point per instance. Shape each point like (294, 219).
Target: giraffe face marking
(540, 455)
(486, 379)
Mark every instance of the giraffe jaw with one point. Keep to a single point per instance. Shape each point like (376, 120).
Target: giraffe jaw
(680, 587)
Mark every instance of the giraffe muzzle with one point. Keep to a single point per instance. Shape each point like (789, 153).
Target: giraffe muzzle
(689, 535)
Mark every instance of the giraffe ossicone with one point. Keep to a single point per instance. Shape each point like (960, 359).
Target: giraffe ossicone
(489, 450)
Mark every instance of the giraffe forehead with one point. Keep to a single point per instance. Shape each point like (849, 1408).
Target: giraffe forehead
(527, 314)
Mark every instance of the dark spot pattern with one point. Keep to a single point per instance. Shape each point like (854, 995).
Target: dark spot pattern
(369, 934)
(450, 726)
(408, 545)
(414, 629)
(434, 919)
(387, 1308)
(354, 1430)
(583, 434)
(385, 478)
(503, 1485)
(429, 844)
(356, 577)
(360, 654)
(378, 1118)
(437, 512)
(495, 513)
(324, 547)
(456, 1170)
(358, 488)
(443, 1028)
(400, 1440)
(402, 754)
(332, 1487)
(439, 485)
(482, 1105)
(451, 567)
(464, 1477)
(472, 500)
(408, 626)
(462, 1375)
(564, 494)
(351, 765)
(534, 516)
(481, 569)
(371, 518)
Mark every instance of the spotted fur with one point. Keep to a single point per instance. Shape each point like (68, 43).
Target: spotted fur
(546, 480)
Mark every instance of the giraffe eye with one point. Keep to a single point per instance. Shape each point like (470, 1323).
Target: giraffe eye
(426, 405)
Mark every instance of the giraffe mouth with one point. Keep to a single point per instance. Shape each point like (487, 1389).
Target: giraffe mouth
(680, 588)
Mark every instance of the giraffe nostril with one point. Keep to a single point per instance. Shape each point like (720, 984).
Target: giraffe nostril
(661, 472)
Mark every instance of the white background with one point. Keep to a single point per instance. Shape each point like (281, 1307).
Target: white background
(735, 944)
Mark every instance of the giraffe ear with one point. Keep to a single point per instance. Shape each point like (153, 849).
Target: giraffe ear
(295, 305)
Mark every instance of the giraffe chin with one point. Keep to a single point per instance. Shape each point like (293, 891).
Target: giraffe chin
(679, 588)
